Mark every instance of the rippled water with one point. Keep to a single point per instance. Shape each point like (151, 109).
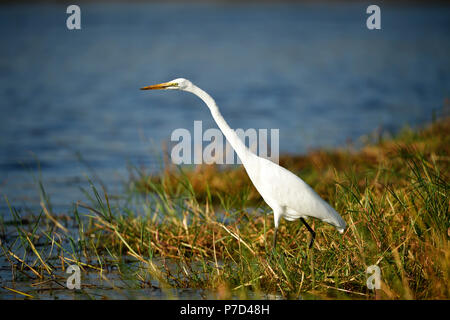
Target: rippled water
(313, 71)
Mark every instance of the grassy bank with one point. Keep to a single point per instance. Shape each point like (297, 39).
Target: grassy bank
(208, 228)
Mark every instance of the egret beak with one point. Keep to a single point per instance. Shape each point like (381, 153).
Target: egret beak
(160, 86)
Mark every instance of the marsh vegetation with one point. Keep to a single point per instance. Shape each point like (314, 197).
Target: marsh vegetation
(205, 231)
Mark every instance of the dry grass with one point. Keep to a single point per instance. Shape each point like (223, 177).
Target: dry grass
(208, 228)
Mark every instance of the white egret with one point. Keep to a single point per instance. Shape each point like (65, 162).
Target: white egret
(288, 195)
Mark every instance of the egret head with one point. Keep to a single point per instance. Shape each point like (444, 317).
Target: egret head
(176, 84)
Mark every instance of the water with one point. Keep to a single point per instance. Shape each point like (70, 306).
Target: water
(313, 71)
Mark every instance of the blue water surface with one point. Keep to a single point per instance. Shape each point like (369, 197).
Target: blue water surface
(69, 100)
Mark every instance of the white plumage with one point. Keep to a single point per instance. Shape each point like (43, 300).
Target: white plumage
(288, 195)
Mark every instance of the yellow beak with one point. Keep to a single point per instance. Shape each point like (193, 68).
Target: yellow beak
(159, 86)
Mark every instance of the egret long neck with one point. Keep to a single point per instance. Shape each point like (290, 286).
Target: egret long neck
(229, 133)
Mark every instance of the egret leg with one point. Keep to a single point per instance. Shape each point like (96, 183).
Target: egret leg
(313, 234)
(275, 239)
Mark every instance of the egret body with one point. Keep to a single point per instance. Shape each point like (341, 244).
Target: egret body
(288, 195)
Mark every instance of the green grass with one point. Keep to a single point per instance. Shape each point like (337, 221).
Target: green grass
(207, 228)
